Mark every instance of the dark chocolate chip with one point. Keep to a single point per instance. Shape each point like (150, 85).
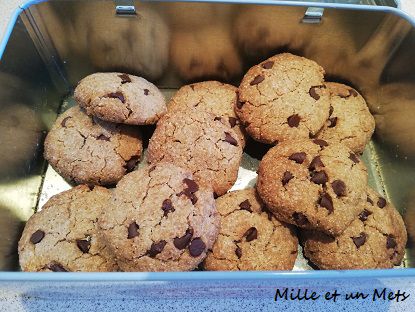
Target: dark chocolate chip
(131, 163)
(257, 79)
(313, 92)
(251, 234)
(182, 242)
(331, 110)
(188, 194)
(381, 202)
(37, 237)
(124, 78)
(245, 205)
(192, 87)
(364, 215)
(360, 240)
(300, 219)
(286, 177)
(83, 245)
(353, 157)
(325, 201)
(63, 122)
(167, 207)
(339, 188)
(133, 230)
(146, 91)
(320, 142)
(319, 177)
(217, 118)
(238, 252)
(315, 163)
(231, 140)
(233, 121)
(353, 92)
(298, 157)
(267, 65)
(390, 241)
(192, 186)
(91, 186)
(156, 248)
(117, 95)
(102, 137)
(56, 267)
(333, 122)
(294, 121)
(197, 247)
(369, 200)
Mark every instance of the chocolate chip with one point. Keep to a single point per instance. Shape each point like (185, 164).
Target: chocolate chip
(353, 92)
(63, 122)
(333, 122)
(325, 201)
(390, 241)
(267, 65)
(146, 91)
(319, 177)
(83, 245)
(102, 137)
(156, 248)
(217, 118)
(233, 121)
(364, 215)
(239, 104)
(230, 139)
(182, 242)
(369, 200)
(300, 219)
(117, 95)
(167, 207)
(360, 240)
(298, 157)
(131, 163)
(381, 202)
(192, 186)
(353, 157)
(313, 92)
(315, 163)
(56, 267)
(37, 237)
(192, 87)
(188, 194)
(124, 78)
(339, 188)
(133, 230)
(286, 177)
(245, 205)
(331, 110)
(257, 79)
(251, 234)
(294, 121)
(320, 142)
(197, 247)
(238, 252)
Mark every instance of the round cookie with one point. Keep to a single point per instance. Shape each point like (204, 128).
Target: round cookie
(250, 238)
(350, 121)
(120, 98)
(210, 96)
(161, 220)
(313, 184)
(64, 235)
(87, 150)
(376, 239)
(201, 143)
(283, 98)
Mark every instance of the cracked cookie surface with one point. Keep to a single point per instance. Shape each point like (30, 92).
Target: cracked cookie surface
(199, 142)
(250, 238)
(376, 239)
(161, 220)
(283, 98)
(87, 150)
(213, 97)
(64, 235)
(120, 98)
(350, 121)
(313, 184)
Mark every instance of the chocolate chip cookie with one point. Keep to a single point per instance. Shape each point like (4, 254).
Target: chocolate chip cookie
(376, 239)
(120, 98)
(350, 121)
(85, 149)
(250, 238)
(64, 235)
(160, 220)
(211, 96)
(283, 98)
(201, 143)
(313, 184)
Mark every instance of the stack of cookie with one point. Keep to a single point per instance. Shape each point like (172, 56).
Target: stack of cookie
(175, 212)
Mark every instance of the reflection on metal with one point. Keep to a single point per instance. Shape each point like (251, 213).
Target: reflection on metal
(125, 10)
(313, 15)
